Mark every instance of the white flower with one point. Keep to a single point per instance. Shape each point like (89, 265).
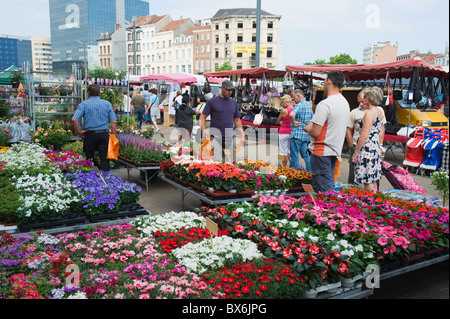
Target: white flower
(201, 257)
(343, 243)
(78, 295)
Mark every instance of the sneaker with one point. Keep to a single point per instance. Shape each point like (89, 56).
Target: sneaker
(157, 130)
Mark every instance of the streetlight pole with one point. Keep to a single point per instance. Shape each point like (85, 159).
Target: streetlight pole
(85, 68)
(258, 33)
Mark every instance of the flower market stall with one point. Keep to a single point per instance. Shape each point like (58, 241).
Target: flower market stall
(49, 189)
(268, 248)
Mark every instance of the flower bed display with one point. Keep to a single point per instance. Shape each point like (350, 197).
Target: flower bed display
(52, 188)
(52, 137)
(270, 248)
(68, 161)
(231, 178)
(340, 236)
(103, 194)
(140, 150)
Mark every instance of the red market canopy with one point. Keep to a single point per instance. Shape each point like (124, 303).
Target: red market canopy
(363, 72)
(254, 73)
(171, 77)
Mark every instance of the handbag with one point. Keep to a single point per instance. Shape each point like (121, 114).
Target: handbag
(206, 149)
(388, 90)
(207, 87)
(287, 81)
(113, 148)
(398, 94)
(264, 97)
(258, 118)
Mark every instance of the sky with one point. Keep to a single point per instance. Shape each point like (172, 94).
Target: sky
(308, 30)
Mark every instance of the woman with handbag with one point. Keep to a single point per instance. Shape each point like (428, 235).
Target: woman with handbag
(285, 130)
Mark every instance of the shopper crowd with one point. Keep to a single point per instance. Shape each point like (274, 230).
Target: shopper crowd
(317, 137)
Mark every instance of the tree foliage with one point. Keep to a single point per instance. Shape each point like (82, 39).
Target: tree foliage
(343, 58)
(225, 67)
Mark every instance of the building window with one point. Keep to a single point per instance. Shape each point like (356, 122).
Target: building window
(240, 25)
(269, 52)
(217, 38)
(239, 55)
(227, 25)
(217, 26)
(270, 37)
(240, 38)
(239, 66)
(253, 37)
(270, 25)
(217, 53)
(227, 37)
(254, 25)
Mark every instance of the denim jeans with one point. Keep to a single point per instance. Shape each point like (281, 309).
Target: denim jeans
(298, 148)
(139, 116)
(323, 172)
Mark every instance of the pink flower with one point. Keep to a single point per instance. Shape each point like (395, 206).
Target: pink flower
(382, 241)
(332, 224)
(144, 296)
(393, 249)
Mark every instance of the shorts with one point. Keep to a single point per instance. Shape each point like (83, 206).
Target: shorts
(284, 144)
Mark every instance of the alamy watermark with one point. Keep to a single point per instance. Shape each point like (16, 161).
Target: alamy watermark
(373, 279)
(373, 16)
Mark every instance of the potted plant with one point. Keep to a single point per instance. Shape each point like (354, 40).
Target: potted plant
(64, 90)
(440, 180)
(16, 77)
(5, 135)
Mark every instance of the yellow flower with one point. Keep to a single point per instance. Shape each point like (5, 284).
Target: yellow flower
(36, 140)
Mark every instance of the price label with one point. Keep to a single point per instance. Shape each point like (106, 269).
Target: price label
(212, 227)
(309, 189)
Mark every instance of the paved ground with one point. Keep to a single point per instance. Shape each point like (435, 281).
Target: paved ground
(429, 283)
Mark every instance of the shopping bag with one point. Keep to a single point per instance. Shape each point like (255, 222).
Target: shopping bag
(206, 149)
(113, 148)
(337, 169)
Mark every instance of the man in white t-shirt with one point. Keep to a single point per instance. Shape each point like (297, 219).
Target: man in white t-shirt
(354, 132)
(327, 130)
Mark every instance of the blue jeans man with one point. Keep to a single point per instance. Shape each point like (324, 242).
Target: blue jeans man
(139, 116)
(299, 147)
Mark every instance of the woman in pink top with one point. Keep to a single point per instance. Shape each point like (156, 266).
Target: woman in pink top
(285, 129)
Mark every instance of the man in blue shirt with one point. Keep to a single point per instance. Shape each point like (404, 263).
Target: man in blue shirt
(97, 114)
(225, 118)
(300, 116)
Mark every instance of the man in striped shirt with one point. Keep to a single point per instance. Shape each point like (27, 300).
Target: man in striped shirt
(97, 114)
(327, 130)
(300, 116)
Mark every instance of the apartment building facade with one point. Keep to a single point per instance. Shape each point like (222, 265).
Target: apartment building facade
(202, 49)
(382, 52)
(233, 33)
